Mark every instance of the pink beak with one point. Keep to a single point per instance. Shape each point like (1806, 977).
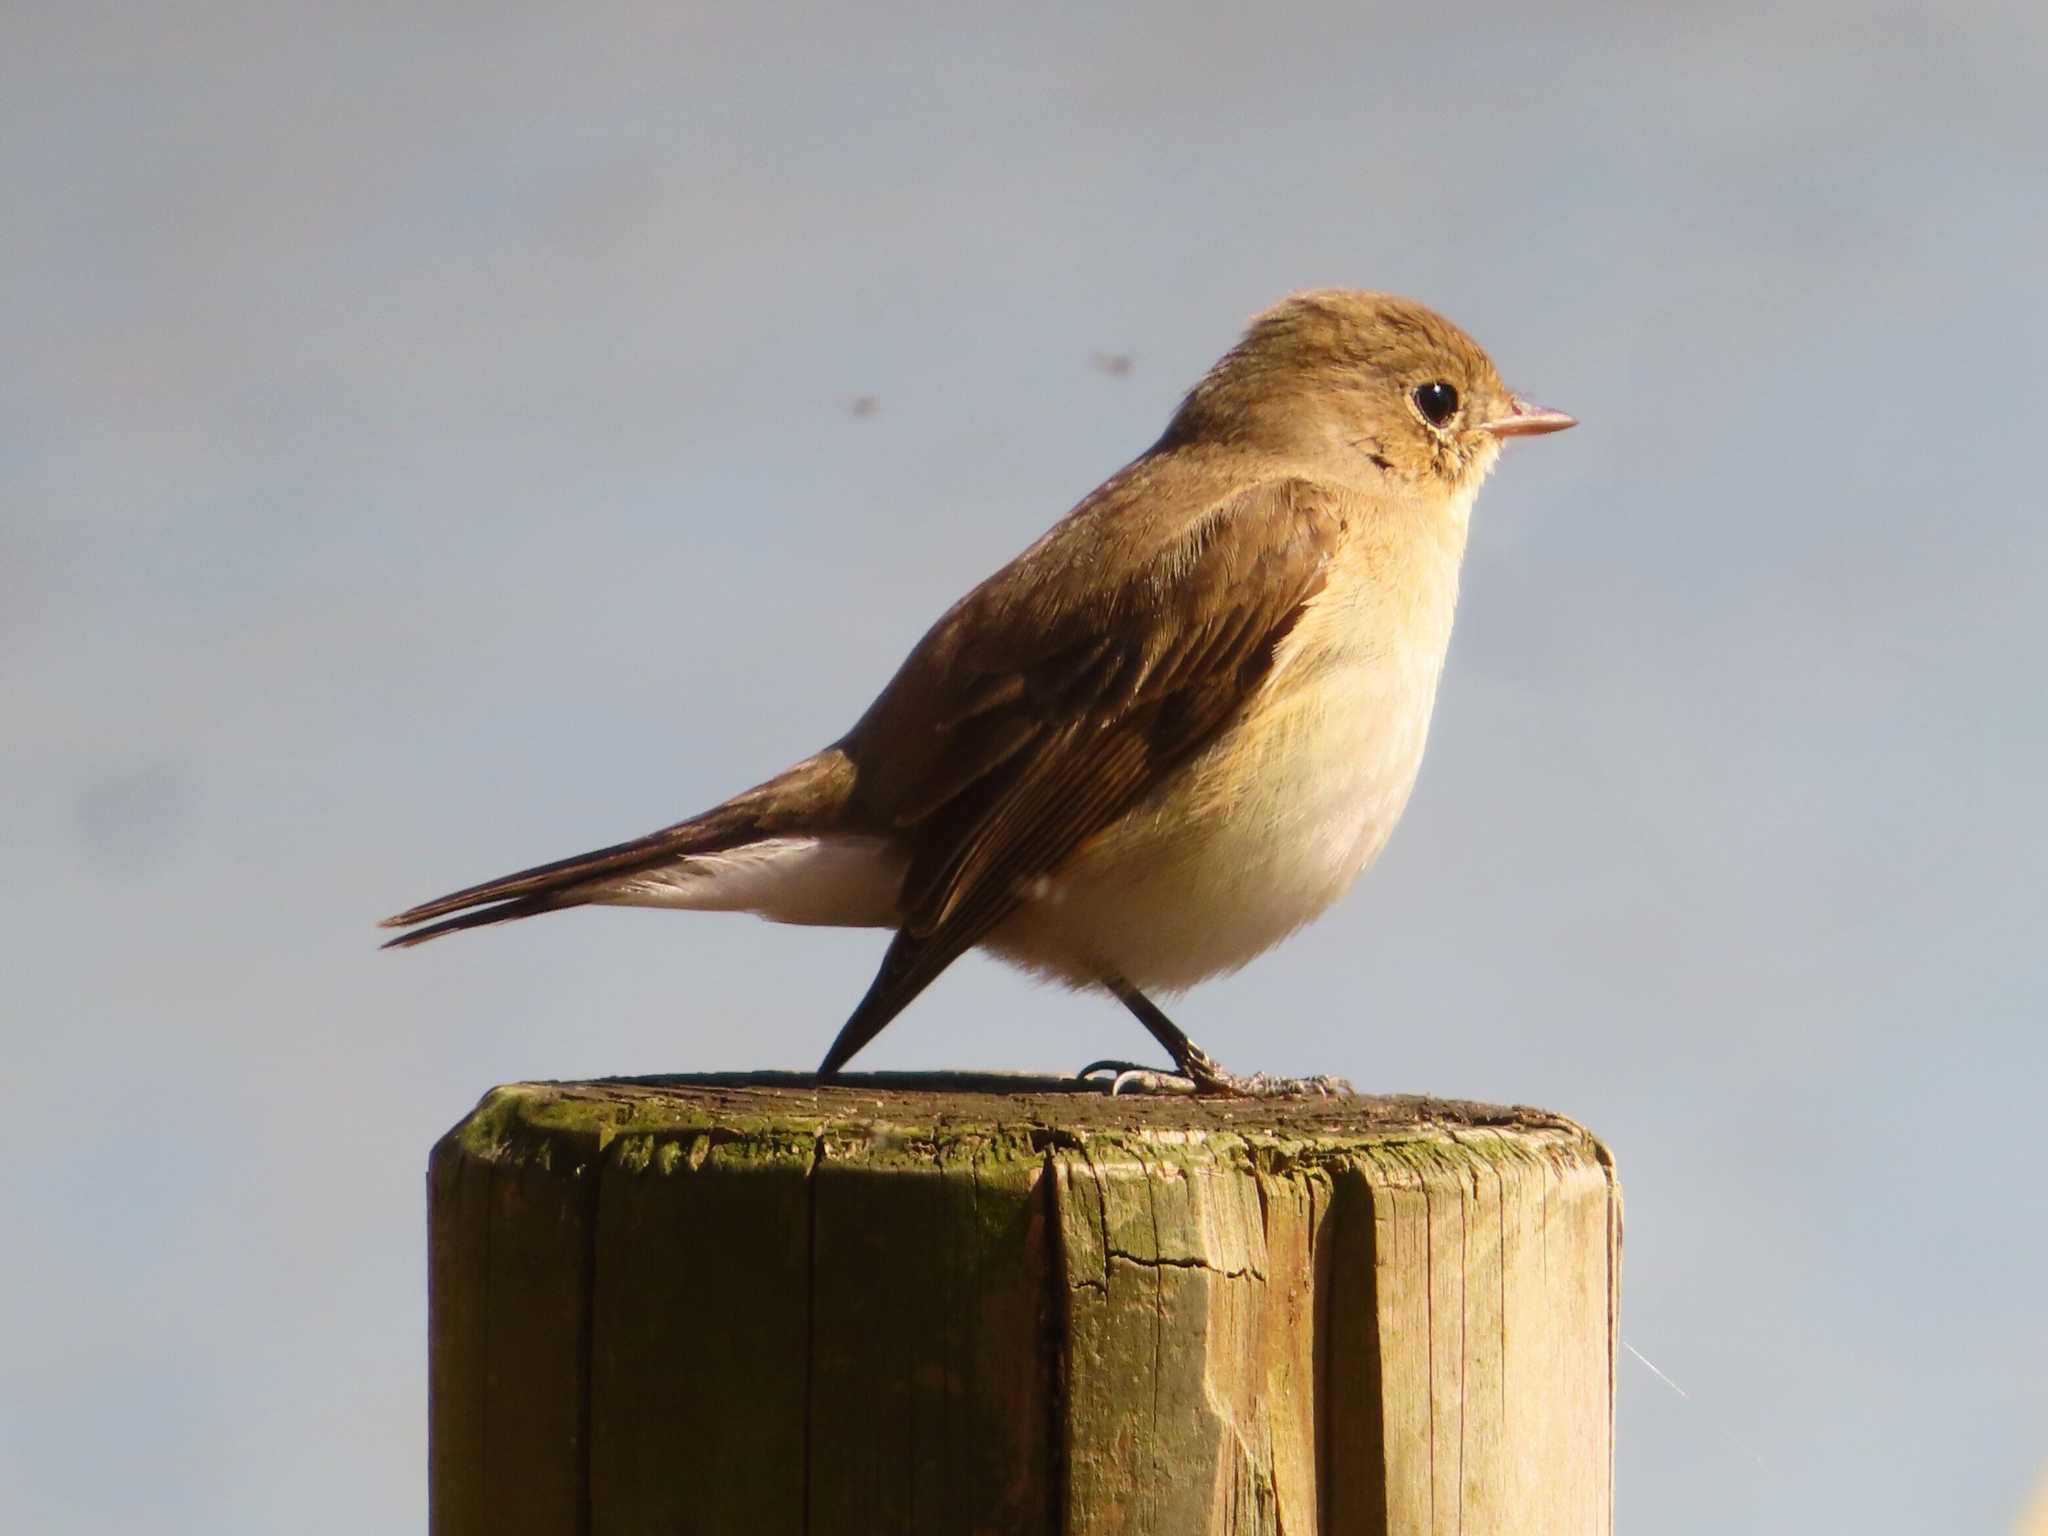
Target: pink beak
(1526, 420)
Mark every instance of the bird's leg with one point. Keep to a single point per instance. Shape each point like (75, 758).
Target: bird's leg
(1195, 1066)
(1189, 1059)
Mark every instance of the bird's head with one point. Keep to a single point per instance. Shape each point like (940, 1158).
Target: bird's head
(1360, 384)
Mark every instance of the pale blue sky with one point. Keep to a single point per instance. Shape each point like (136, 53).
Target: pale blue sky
(425, 448)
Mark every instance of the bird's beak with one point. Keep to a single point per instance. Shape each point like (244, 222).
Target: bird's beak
(1525, 420)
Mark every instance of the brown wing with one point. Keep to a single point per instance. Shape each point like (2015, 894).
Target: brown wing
(1051, 724)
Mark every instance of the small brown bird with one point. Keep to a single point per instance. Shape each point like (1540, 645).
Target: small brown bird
(1169, 733)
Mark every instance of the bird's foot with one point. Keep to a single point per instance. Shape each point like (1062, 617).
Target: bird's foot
(1261, 1085)
(1211, 1081)
(1200, 1075)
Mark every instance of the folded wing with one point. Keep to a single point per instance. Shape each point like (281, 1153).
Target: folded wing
(1050, 725)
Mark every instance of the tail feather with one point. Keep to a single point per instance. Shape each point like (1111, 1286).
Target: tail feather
(483, 917)
(552, 878)
(809, 796)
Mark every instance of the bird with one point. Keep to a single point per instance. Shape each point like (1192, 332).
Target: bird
(1168, 734)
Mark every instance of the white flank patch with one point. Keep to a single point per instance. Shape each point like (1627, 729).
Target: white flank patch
(832, 882)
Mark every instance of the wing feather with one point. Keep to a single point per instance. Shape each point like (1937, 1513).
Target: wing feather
(1051, 728)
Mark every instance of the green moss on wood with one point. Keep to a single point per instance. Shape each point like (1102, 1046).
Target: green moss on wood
(570, 1126)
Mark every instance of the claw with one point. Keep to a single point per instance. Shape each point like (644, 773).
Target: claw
(1110, 1064)
(1135, 1077)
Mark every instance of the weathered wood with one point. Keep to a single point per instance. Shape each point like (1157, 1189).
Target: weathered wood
(1000, 1305)
(508, 1375)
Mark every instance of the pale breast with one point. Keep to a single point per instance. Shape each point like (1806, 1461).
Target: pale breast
(1274, 821)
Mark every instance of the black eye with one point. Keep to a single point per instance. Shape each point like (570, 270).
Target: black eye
(1437, 402)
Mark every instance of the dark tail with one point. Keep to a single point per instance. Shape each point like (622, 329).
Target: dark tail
(808, 797)
(565, 883)
(503, 912)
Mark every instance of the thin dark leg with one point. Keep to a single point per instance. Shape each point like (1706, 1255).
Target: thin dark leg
(1193, 1063)
(1197, 1066)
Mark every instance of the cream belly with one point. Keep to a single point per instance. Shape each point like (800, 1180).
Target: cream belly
(1270, 825)
(1261, 836)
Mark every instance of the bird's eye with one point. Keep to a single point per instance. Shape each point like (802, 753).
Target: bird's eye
(1437, 402)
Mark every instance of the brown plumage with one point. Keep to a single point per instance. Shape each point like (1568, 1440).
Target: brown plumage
(1163, 736)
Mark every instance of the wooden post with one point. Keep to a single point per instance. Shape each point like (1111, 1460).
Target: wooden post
(754, 1305)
